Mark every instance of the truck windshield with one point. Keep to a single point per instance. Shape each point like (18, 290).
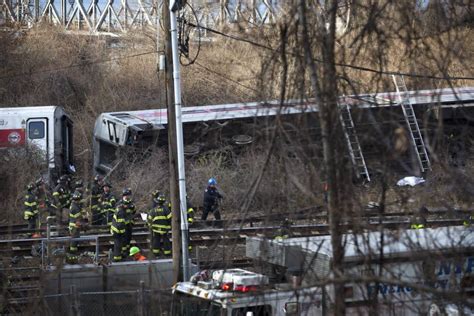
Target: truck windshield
(261, 310)
(186, 305)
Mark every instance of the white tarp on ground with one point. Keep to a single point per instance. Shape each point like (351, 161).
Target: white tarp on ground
(411, 181)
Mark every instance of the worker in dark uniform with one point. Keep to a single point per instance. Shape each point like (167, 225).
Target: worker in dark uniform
(285, 230)
(76, 213)
(211, 200)
(78, 186)
(96, 192)
(117, 229)
(44, 199)
(468, 221)
(62, 197)
(107, 204)
(127, 203)
(418, 221)
(190, 212)
(30, 203)
(190, 215)
(159, 222)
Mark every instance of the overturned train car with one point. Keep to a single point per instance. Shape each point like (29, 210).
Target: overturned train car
(211, 126)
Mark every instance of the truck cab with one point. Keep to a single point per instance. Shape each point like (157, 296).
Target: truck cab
(238, 292)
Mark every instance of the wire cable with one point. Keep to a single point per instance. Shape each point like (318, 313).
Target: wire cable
(225, 77)
(361, 68)
(184, 22)
(86, 63)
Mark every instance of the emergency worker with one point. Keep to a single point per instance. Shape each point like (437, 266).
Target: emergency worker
(159, 222)
(468, 221)
(419, 220)
(136, 255)
(76, 211)
(96, 193)
(325, 193)
(190, 212)
(44, 199)
(107, 204)
(127, 203)
(211, 200)
(30, 203)
(284, 230)
(190, 215)
(62, 197)
(78, 186)
(117, 229)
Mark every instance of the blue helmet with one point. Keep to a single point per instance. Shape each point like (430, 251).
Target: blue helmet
(211, 181)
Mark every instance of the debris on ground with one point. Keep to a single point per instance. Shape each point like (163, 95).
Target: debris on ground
(411, 181)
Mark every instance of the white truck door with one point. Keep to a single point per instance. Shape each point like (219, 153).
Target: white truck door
(37, 133)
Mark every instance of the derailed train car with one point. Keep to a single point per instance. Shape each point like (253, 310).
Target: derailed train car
(241, 123)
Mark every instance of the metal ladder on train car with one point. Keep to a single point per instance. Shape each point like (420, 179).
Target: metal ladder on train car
(410, 118)
(352, 140)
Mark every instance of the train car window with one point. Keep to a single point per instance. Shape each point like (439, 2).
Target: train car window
(36, 130)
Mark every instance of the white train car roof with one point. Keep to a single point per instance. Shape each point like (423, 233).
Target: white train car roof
(406, 242)
(158, 117)
(32, 111)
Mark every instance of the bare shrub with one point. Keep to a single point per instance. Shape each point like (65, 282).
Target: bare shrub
(18, 167)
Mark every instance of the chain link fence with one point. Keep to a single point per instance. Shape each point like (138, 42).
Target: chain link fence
(115, 303)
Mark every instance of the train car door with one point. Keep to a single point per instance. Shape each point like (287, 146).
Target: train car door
(67, 138)
(37, 133)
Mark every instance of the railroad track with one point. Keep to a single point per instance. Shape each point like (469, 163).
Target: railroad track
(310, 213)
(25, 283)
(17, 229)
(204, 237)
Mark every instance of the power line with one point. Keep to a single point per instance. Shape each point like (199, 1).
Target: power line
(86, 63)
(361, 68)
(225, 77)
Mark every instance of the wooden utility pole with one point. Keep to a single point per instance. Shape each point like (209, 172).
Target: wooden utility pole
(172, 148)
(323, 81)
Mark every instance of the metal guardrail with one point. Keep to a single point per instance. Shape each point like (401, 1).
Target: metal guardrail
(45, 244)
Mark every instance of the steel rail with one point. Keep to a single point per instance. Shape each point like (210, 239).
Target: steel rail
(211, 237)
(306, 213)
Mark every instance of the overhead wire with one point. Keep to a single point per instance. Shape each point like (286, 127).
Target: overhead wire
(245, 40)
(361, 68)
(182, 22)
(225, 77)
(85, 63)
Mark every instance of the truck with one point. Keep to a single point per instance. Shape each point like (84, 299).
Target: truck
(46, 130)
(406, 273)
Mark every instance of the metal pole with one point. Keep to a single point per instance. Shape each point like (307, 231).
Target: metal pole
(174, 195)
(42, 253)
(141, 299)
(97, 249)
(180, 145)
(48, 237)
